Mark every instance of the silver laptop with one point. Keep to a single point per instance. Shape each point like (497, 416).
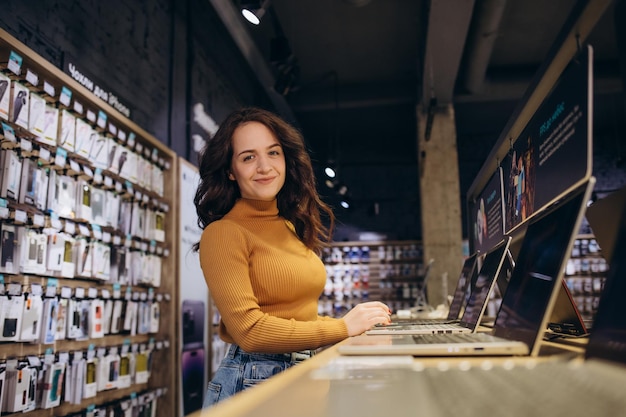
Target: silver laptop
(480, 288)
(459, 300)
(589, 386)
(527, 303)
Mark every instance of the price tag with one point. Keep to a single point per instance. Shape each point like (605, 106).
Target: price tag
(74, 166)
(78, 107)
(66, 96)
(117, 240)
(87, 170)
(70, 227)
(49, 89)
(32, 78)
(55, 222)
(15, 63)
(92, 293)
(61, 157)
(97, 231)
(38, 220)
(108, 182)
(139, 148)
(79, 292)
(121, 135)
(9, 133)
(112, 129)
(155, 155)
(20, 216)
(131, 139)
(102, 120)
(106, 237)
(51, 287)
(84, 230)
(44, 154)
(26, 145)
(98, 177)
(4, 208)
(91, 116)
(66, 292)
(106, 294)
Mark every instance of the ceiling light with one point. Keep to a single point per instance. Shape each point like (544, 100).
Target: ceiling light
(330, 172)
(253, 11)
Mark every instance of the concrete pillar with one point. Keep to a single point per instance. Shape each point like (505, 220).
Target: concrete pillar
(440, 200)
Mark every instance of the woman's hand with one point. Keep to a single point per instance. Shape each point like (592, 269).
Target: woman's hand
(365, 315)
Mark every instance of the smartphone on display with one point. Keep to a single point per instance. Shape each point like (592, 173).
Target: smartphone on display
(192, 358)
(193, 380)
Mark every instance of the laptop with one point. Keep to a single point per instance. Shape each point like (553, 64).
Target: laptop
(461, 295)
(602, 216)
(565, 320)
(592, 385)
(527, 303)
(480, 288)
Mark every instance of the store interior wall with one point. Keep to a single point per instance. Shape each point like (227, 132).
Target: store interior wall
(163, 57)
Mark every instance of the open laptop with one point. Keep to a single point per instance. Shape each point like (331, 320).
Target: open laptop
(527, 303)
(602, 216)
(461, 295)
(565, 320)
(589, 386)
(480, 288)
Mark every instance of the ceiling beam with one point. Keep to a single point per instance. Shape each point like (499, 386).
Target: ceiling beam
(232, 20)
(448, 25)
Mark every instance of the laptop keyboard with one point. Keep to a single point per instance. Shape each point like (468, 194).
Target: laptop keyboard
(557, 389)
(451, 338)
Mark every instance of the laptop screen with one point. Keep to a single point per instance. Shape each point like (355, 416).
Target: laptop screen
(469, 267)
(538, 269)
(484, 283)
(608, 336)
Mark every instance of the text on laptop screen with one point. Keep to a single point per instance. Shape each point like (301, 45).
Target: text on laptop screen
(481, 287)
(540, 259)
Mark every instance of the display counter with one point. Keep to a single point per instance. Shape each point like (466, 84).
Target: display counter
(326, 385)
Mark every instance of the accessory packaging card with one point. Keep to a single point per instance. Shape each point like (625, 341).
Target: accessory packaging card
(18, 113)
(5, 96)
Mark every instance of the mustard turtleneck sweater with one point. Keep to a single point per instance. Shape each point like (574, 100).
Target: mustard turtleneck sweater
(265, 282)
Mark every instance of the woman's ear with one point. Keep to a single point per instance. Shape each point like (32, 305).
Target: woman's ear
(231, 176)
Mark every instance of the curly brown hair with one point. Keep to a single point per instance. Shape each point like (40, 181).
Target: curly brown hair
(298, 200)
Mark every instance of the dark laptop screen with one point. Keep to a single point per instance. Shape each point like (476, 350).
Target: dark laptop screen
(608, 336)
(484, 283)
(469, 267)
(537, 271)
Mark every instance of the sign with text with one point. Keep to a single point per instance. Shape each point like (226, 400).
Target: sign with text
(96, 87)
(554, 151)
(487, 215)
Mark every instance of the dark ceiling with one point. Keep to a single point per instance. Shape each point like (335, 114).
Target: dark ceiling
(359, 68)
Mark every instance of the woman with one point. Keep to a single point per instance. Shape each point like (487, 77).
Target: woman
(263, 232)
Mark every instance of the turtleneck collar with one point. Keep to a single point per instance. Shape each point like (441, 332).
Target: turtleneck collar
(245, 207)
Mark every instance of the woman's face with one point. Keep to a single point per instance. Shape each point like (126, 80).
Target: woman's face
(258, 163)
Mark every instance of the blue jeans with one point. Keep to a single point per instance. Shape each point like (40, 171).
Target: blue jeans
(240, 370)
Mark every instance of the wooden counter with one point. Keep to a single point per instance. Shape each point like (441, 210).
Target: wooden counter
(313, 388)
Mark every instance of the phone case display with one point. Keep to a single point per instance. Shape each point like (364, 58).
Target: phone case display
(585, 274)
(360, 271)
(83, 246)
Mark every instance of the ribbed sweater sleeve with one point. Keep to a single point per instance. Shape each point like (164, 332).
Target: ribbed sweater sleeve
(265, 283)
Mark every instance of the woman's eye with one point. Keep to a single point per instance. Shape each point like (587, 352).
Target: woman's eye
(248, 158)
